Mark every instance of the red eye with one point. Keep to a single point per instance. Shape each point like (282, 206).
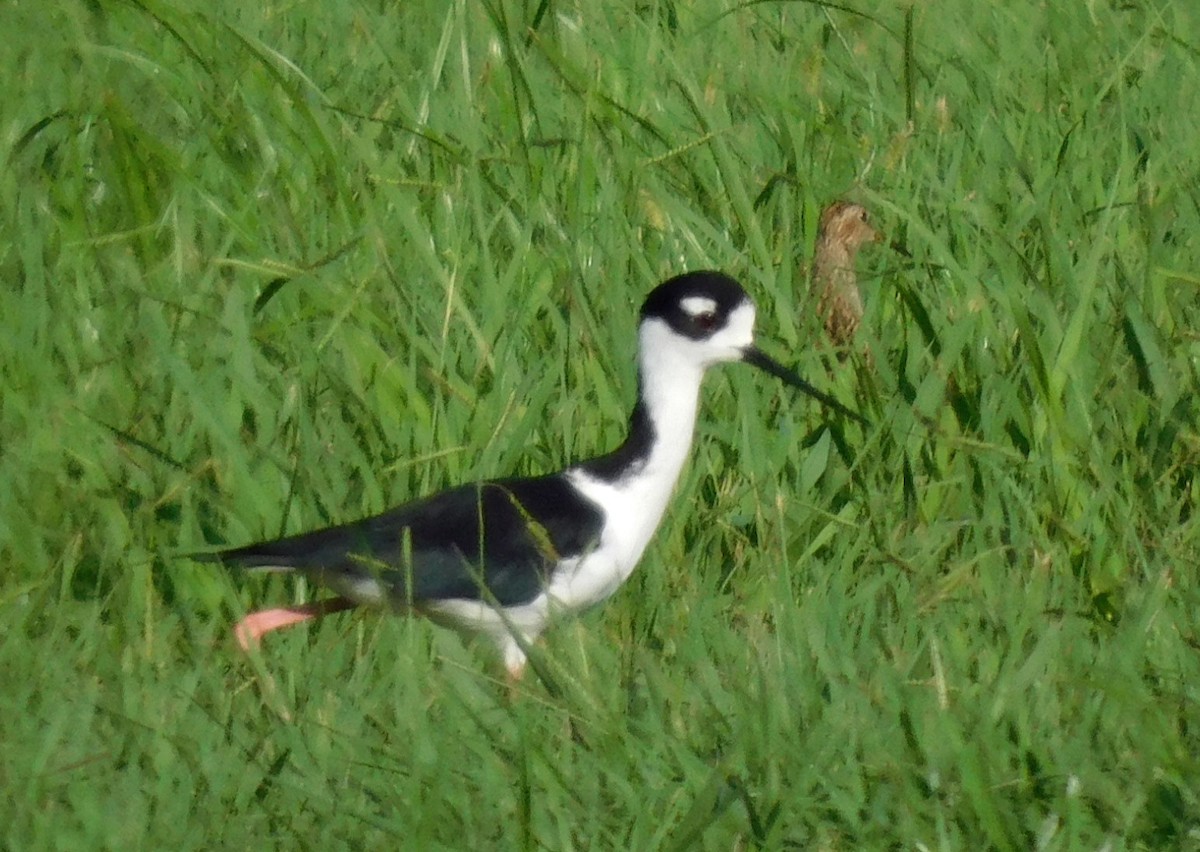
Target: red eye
(706, 321)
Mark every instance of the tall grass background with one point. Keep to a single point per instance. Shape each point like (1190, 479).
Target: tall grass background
(271, 266)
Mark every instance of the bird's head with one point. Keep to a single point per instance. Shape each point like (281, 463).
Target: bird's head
(699, 319)
(846, 224)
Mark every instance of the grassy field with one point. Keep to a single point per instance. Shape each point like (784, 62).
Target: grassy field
(271, 266)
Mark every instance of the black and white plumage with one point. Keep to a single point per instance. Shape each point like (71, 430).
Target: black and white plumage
(507, 556)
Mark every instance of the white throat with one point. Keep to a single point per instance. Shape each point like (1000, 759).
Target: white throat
(634, 503)
(670, 378)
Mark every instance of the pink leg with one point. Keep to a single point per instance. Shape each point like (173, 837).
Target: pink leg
(251, 628)
(516, 671)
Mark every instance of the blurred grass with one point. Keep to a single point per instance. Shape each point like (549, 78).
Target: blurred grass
(274, 267)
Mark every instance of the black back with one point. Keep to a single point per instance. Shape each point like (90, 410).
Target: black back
(496, 539)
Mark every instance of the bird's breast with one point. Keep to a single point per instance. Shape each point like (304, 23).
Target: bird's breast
(579, 584)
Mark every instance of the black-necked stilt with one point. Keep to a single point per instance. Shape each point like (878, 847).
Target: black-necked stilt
(503, 557)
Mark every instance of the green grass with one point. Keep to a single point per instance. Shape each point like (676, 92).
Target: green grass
(273, 266)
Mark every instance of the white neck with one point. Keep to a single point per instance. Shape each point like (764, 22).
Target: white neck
(634, 501)
(670, 391)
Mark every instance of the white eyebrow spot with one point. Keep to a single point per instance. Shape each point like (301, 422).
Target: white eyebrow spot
(697, 305)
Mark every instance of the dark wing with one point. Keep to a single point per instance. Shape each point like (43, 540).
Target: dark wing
(503, 536)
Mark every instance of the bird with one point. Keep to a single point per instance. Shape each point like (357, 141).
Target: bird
(844, 227)
(503, 558)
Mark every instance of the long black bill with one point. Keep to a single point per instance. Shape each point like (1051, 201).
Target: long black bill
(754, 355)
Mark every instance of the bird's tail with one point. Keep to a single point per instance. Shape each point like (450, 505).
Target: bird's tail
(254, 557)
